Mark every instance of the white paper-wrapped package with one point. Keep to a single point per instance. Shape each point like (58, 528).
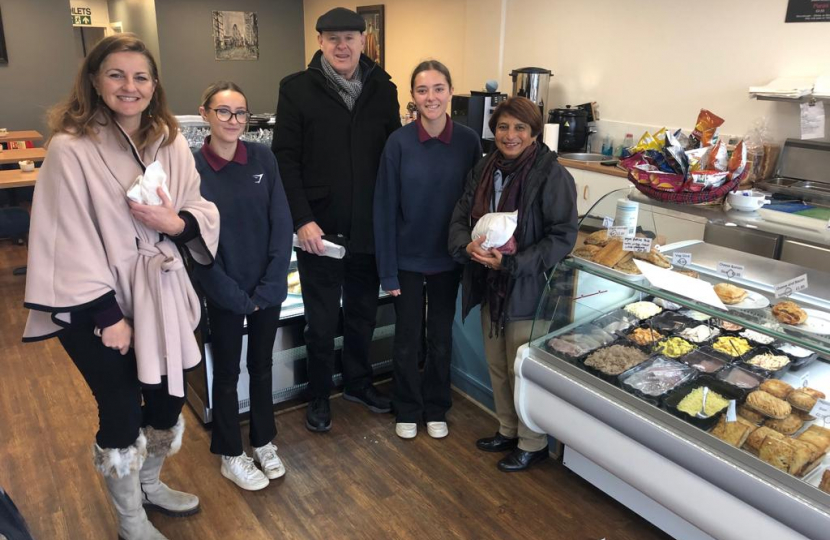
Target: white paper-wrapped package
(496, 227)
(144, 188)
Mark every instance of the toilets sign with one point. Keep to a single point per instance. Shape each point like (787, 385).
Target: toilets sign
(81, 16)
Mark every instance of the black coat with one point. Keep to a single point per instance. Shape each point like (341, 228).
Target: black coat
(328, 156)
(546, 234)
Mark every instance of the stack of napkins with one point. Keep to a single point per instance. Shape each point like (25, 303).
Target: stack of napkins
(822, 86)
(785, 87)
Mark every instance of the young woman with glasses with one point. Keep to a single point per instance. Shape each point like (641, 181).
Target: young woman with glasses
(248, 281)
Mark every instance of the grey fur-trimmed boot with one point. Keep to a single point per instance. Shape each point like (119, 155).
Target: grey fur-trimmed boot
(120, 467)
(162, 443)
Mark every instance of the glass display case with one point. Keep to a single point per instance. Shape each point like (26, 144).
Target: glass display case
(620, 355)
(289, 378)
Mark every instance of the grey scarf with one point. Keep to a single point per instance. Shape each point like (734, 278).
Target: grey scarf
(349, 89)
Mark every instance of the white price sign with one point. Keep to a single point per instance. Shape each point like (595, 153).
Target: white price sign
(788, 287)
(681, 259)
(731, 413)
(607, 222)
(730, 270)
(821, 409)
(620, 232)
(637, 244)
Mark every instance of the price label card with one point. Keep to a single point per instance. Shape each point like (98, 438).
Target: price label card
(730, 270)
(619, 232)
(821, 409)
(731, 413)
(681, 259)
(793, 285)
(637, 244)
(607, 222)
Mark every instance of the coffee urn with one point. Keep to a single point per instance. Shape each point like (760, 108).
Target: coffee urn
(532, 83)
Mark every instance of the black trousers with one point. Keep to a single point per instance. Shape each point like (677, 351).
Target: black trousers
(226, 330)
(113, 380)
(426, 398)
(324, 282)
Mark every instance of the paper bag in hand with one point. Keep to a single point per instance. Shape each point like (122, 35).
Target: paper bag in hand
(144, 188)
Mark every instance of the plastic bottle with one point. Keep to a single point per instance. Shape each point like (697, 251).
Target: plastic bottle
(607, 145)
(628, 142)
(626, 215)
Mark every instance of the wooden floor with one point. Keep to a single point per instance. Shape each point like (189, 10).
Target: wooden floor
(358, 481)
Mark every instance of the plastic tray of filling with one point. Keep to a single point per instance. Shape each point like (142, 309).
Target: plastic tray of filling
(673, 347)
(617, 322)
(756, 338)
(699, 333)
(655, 378)
(644, 336)
(799, 356)
(728, 326)
(767, 361)
(719, 395)
(705, 360)
(695, 315)
(643, 310)
(609, 362)
(669, 321)
(576, 344)
(732, 347)
(741, 379)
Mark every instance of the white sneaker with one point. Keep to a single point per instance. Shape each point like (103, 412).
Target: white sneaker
(437, 430)
(270, 462)
(241, 471)
(406, 430)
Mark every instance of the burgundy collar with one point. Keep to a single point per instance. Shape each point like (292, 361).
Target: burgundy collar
(216, 162)
(445, 136)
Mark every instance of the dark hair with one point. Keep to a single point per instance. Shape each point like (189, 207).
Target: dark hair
(521, 109)
(220, 86)
(77, 113)
(428, 65)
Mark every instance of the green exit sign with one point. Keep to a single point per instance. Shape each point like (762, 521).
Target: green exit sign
(81, 20)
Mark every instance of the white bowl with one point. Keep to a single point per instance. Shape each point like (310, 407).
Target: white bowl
(746, 201)
(26, 165)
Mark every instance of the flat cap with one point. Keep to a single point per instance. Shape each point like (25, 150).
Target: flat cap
(340, 20)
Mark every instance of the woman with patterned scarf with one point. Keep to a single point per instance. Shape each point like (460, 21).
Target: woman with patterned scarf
(521, 174)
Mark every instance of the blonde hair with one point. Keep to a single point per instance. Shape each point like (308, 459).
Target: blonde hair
(77, 113)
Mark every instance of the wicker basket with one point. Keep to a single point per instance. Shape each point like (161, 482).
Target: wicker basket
(709, 197)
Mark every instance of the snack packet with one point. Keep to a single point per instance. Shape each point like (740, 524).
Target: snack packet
(700, 180)
(675, 156)
(737, 163)
(660, 137)
(698, 158)
(706, 129)
(657, 179)
(683, 139)
(658, 159)
(646, 142)
(718, 158)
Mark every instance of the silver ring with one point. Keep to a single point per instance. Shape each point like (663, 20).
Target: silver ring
(96, 332)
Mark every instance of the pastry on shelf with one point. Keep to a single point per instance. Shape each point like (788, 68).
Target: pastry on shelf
(777, 452)
(787, 426)
(730, 294)
(777, 388)
(586, 252)
(687, 272)
(804, 415)
(754, 417)
(734, 433)
(788, 312)
(654, 257)
(627, 267)
(753, 442)
(611, 254)
(803, 400)
(802, 456)
(768, 405)
(817, 436)
(824, 485)
(598, 238)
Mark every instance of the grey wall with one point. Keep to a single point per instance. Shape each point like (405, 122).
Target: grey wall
(138, 17)
(42, 62)
(185, 30)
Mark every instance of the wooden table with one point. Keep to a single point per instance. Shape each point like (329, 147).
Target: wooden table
(13, 156)
(26, 135)
(16, 178)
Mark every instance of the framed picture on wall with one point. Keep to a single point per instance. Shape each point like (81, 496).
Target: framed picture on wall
(4, 55)
(235, 35)
(375, 29)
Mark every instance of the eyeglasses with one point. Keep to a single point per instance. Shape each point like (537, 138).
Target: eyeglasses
(224, 115)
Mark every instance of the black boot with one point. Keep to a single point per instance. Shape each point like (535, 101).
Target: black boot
(318, 415)
(521, 460)
(497, 443)
(369, 396)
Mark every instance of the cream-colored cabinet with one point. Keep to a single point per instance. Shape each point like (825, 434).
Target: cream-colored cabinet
(592, 186)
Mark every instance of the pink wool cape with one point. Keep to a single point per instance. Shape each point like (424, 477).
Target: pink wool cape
(84, 245)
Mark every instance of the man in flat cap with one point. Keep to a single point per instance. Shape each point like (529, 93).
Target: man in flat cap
(333, 120)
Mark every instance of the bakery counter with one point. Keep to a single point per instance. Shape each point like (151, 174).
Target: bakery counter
(695, 397)
(592, 166)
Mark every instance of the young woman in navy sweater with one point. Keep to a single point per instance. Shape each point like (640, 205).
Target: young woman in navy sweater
(421, 177)
(247, 281)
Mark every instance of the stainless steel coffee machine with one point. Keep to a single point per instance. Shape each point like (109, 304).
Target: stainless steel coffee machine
(532, 83)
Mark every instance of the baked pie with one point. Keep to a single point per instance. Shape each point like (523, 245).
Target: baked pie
(753, 442)
(777, 388)
(730, 294)
(611, 254)
(787, 426)
(768, 405)
(788, 312)
(654, 257)
(586, 252)
(734, 433)
(824, 485)
(598, 238)
(802, 400)
(754, 417)
(777, 452)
